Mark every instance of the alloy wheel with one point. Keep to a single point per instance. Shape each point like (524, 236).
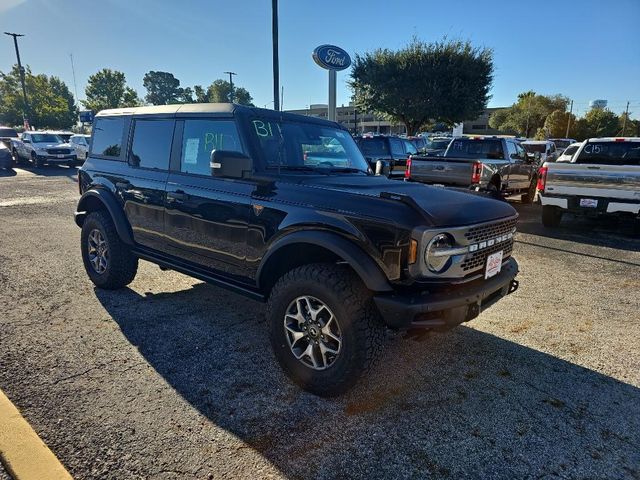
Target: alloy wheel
(98, 251)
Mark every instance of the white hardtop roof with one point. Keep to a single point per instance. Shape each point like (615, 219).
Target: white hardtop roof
(170, 109)
(537, 142)
(614, 139)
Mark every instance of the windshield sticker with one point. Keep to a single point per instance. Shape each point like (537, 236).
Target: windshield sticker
(191, 150)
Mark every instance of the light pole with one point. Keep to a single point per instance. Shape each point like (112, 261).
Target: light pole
(25, 111)
(231, 74)
(276, 67)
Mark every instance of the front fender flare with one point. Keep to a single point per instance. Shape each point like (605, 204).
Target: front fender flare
(366, 268)
(110, 203)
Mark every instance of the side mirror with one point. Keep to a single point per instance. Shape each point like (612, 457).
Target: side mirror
(230, 164)
(382, 168)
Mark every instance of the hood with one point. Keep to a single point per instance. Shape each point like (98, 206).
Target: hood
(442, 206)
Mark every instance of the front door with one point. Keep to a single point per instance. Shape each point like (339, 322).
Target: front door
(206, 217)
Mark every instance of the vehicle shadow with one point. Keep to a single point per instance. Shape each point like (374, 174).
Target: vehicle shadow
(605, 232)
(9, 172)
(47, 170)
(459, 404)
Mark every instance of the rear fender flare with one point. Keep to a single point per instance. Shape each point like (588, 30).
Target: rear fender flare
(111, 205)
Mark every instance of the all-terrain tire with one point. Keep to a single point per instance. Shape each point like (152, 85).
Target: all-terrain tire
(363, 332)
(531, 193)
(122, 265)
(551, 215)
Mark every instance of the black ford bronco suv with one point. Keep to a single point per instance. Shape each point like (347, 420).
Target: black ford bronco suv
(284, 209)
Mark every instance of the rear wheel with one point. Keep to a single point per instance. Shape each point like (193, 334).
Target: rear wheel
(531, 192)
(35, 161)
(107, 259)
(324, 328)
(551, 215)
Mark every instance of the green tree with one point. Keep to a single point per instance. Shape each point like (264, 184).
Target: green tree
(528, 114)
(163, 88)
(220, 92)
(51, 104)
(601, 122)
(446, 81)
(628, 128)
(201, 94)
(556, 123)
(108, 89)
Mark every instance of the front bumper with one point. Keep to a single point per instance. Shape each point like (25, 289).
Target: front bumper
(57, 159)
(446, 308)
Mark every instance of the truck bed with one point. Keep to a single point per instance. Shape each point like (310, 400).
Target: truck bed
(587, 180)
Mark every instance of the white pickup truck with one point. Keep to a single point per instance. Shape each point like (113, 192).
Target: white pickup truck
(41, 148)
(602, 178)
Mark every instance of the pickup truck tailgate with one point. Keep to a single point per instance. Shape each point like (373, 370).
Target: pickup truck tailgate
(448, 171)
(586, 180)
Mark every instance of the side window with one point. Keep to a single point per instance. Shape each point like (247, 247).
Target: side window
(200, 138)
(410, 147)
(396, 147)
(107, 135)
(513, 150)
(522, 155)
(151, 146)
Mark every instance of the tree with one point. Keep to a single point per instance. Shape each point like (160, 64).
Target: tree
(108, 89)
(220, 92)
(447, 81)
(528, 114)
(50, 101)
(163, 88)
(556, 123)
(601, 122)
(628, 128)
(201, 94)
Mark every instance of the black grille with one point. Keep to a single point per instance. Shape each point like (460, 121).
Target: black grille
(478, 259)
(58, 151)
(493, 230)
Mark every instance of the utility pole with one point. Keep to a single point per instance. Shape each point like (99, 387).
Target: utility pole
(276, 63)
(231, 74)
(624, 122)
(73, 70)
(25, 111)
(569, 119)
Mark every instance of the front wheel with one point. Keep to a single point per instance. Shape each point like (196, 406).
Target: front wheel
(107, 259)
(551, 215)
(324, 328)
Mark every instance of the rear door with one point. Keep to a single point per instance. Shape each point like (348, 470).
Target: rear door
(206, 221)
(143, 188)
(519, 171)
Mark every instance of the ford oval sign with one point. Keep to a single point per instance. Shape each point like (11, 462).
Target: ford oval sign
(331, 57)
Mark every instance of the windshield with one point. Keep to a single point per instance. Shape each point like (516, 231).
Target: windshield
(569, 151)
(487, 149)
(372, 147)
(610, 153)
(562, 143)
(534, 147)
(45, 138)
(307, 146)
(439, 144)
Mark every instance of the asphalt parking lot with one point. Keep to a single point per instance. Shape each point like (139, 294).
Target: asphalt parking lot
(173, 378)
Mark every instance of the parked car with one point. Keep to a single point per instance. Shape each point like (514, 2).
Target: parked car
(602, 178)
(224, 193)
(436, 146)
(496, 165)
(392, 151)
(81, 145)
(562, 143)
(545, 148)
(568, 152)
(6, 135)
(6, 159)
(43, 148)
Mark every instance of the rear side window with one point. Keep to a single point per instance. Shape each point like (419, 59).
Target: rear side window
(487, 149)
(610, 153)
(107, 136)
(396, 147)
(200, 138)
(151, 146)
(374, 146)
(410, 147)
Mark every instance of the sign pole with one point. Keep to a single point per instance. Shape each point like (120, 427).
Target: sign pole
(332, 95)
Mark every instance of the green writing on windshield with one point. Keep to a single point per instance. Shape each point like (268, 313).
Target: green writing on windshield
(265, 129)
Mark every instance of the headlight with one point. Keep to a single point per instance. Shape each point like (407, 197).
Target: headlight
(437, 256)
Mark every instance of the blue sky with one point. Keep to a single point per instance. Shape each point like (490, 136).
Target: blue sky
(582, 49)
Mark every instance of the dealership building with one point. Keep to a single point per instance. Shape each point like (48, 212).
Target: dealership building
(362, 122)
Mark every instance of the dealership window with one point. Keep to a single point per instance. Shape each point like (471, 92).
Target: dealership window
(151, 146)
(200, 138)
(107, 136)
